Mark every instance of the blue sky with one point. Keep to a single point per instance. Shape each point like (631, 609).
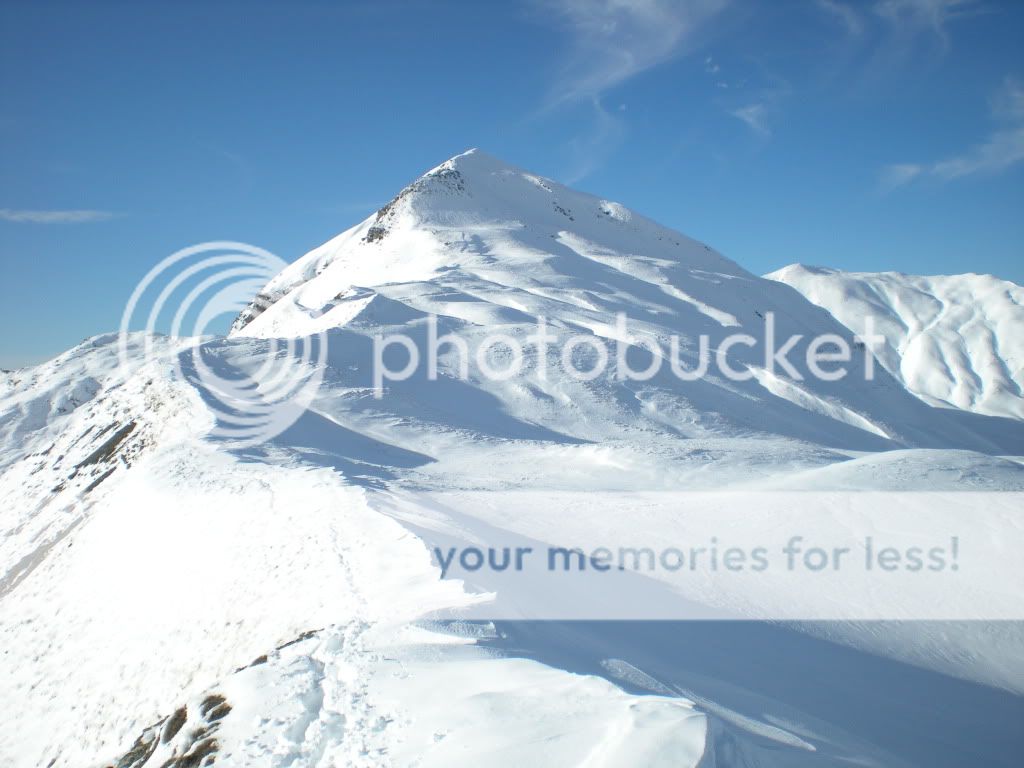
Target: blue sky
(869, 135)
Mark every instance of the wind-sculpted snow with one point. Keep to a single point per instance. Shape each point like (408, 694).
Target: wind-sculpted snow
(486, 247)
(194, 606)
(955, 341)
(170, 599)
(346, 692)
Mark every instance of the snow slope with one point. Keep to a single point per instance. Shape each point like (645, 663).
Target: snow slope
(167, 600)
(487, 247)
(952, 340)
(138, 573)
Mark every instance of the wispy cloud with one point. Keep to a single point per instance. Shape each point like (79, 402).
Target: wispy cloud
(900, 23)
(755, 116)
(611, 41)
(849, 17)
(588, 151)
(614, 40)
(898, 174)
(54, 217)
(1003, 148)
(923, 14)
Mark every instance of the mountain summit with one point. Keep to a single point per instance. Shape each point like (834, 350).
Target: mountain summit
(472, 214)
(485, 246)
(169, 598)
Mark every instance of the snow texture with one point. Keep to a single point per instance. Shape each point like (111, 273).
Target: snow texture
(168, 601)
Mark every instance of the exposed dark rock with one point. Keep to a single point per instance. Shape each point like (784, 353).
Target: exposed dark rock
(141, 750)
(107, 448)
(260, 303)
(373, 234)
(262, 659)
(91, 486)
(192, 746)
(304, 636)
(201, 753)
(214, 708)
(174, 724)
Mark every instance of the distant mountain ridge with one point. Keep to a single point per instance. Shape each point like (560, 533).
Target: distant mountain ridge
(953, 340)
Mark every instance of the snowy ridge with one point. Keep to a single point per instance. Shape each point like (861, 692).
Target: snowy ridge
(290, 604)
(169, 601)
(457, 218)
(487, 246)
(952, 340)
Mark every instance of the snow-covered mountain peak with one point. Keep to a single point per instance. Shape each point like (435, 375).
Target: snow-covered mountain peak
(475, 188)
(470, 160)
(485, 248)
(273, 604)
(474, 218)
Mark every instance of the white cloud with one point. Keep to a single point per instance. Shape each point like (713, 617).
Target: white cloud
(1008, 102)
(844, 14)
(1000, 151)
(54, 217)
(755, 116)
(928, 14)
(903, 21)
(614, 40)
(588, 151)
(920, 25)
(1003, 148)
(610, 42)
(899, 174)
